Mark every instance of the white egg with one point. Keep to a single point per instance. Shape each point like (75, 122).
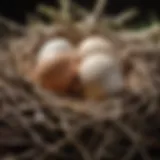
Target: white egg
(52, 48)
(101, 74)
(94, 44)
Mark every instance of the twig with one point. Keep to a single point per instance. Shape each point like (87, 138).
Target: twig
(11, 25)
(98, 9)
(65, 9)
(91, 19)
(125, 16)
(36, 138)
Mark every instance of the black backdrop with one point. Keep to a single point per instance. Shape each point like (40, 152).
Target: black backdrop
(17, 9)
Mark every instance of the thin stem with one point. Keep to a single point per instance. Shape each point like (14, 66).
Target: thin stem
(98, 9)
(65, 9)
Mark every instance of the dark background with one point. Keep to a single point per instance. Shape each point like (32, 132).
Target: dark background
(18, 9)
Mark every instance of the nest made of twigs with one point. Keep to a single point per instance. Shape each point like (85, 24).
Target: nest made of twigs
(35, 124)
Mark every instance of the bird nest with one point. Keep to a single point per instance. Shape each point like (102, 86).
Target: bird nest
(37, 125)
